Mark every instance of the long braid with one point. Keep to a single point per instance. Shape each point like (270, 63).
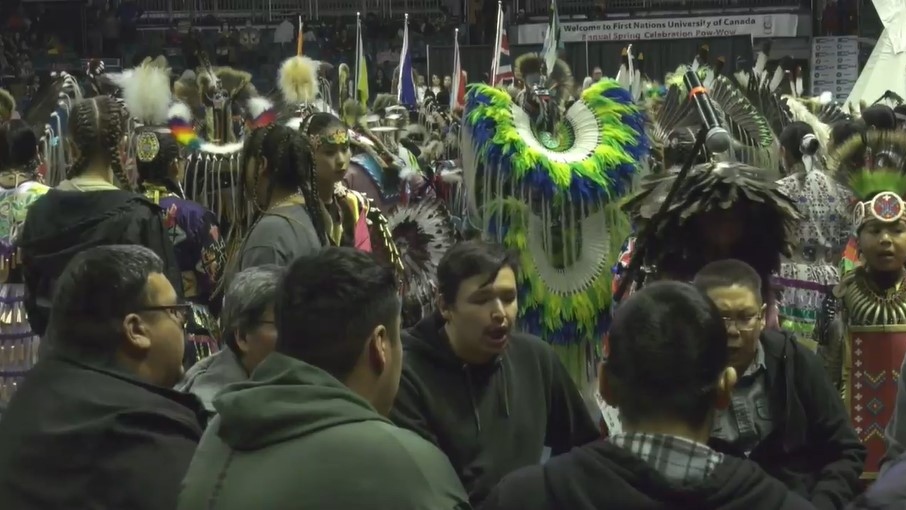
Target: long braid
(238, 230)
(275, 165)
(313, 202)
(113, 136)
(314, 122)
(83, 130)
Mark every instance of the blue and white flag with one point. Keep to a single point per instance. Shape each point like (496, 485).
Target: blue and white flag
(406, 93)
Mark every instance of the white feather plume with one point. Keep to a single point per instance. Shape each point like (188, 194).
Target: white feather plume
(120, 79)
(258, 105)
(761, 62)
(800, 112)
(146, 92)
(179, 110)
(826, 97)
(298, 79)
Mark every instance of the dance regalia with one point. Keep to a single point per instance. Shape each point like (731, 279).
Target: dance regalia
(18, 345)
(193, 229)
(809, 276)
(543, 172)
(874, 320)
(674, 251)
(201, 255)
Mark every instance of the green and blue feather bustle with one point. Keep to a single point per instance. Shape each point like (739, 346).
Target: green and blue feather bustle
(590, 159)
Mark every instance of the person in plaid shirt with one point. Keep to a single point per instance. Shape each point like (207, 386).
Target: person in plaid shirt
(666, 369)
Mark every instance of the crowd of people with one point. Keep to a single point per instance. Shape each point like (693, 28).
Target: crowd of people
(217, 299)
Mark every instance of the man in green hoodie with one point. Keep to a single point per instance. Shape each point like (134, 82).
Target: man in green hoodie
(308, 429)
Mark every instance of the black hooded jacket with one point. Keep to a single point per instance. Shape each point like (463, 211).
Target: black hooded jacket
(603, 476)
(489, 419)
(61, 224)
(813, 448)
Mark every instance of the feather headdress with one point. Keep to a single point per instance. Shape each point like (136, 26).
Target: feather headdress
(7, 105)
(754, 142)
(529, 67)
(675, 244)
(873, 166)
(423, 232)
(146, 92)
(298, 80)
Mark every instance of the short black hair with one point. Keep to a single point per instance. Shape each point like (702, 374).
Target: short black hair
(97, 289)
(879, 116)
(666, 349)
(843, 130)
(727, 273)
(470, 258)
(18, 145)
(328, 304)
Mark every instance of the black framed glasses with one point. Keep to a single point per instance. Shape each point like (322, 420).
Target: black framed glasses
(180, 312)
(744, 323)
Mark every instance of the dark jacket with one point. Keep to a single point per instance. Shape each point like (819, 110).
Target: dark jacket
(61, 224)
(813, 448)
(603, 476)
(293, 437)
(80, 436)
(492, 419)
(888, 492)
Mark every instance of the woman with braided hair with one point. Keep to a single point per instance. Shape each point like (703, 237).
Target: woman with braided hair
(194, 231)
(276, 168)
(350, 218)
(295, 184)
(94, 206)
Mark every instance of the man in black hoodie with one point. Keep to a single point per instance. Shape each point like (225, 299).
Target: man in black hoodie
(95, 423)
(785, 414)
(666, 370)
(490, 398)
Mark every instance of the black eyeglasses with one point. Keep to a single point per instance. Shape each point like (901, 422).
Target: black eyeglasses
(743, 324)
(179, 311)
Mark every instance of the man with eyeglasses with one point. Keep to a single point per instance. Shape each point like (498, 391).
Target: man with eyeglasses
(246, 327)
(95, 423)
(784, 414)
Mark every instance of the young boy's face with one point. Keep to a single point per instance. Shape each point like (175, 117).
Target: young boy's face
(743, 314)
(883, 245)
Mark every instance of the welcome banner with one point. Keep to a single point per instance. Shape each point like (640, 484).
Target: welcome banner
(755, 25)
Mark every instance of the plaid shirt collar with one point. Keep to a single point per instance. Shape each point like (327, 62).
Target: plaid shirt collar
(677, 459)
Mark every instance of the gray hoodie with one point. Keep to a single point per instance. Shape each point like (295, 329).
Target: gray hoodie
(207, 377)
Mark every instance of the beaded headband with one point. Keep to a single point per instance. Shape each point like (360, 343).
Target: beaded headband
(339, 136)
(886, 207)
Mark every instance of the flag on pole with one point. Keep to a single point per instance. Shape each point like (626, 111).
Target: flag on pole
(406, 93)
(458, 95)
(501, 68)
(552, 39)
(361, 86)
(299, 39)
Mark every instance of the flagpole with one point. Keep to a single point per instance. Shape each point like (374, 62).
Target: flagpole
(358, 54)
(399, 81)
(299, 39)
(587, 69)
(495, 63)
(427, 66)
(457, 76)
